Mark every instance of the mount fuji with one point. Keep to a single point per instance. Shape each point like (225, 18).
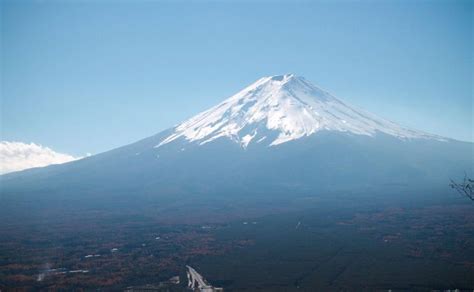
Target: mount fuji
(280, 136)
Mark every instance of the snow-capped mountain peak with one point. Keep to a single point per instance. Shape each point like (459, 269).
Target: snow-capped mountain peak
(277, 109)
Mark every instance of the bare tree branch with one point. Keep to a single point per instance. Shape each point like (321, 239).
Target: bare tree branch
(465, 188)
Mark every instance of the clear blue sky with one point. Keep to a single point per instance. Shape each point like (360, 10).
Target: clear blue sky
(88, 76)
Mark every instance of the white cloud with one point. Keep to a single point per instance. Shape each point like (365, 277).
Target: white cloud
(15, 156)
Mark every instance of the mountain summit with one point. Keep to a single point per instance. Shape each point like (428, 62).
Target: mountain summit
(282, 108)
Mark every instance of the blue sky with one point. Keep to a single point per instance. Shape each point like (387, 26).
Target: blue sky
(88, 76)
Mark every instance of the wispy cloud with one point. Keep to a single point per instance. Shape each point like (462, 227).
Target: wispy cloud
(15, 156)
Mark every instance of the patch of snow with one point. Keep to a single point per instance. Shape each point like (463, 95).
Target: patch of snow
(261, 139)
(247, 138)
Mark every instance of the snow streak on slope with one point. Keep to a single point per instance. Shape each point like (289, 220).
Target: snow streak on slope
(278, 109)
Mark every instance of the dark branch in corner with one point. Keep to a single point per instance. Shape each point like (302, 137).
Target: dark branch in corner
(465, 188)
